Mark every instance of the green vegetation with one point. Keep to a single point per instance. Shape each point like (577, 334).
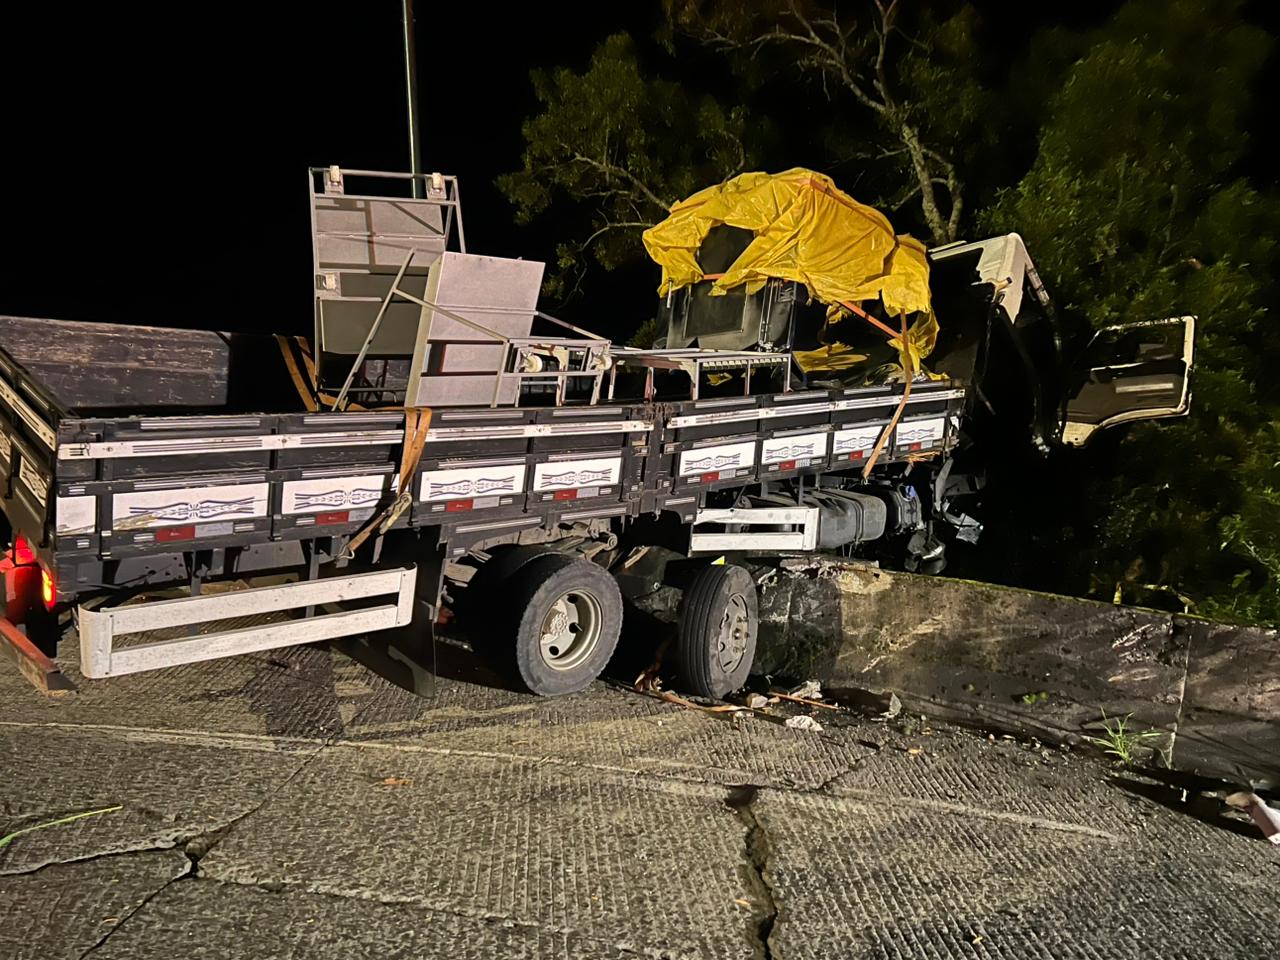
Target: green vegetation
(9, 838)
(1123, 743)
(613, 148)
(1118, 148)
(1141, 210)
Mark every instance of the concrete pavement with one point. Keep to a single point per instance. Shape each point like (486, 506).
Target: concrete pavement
(294, 804)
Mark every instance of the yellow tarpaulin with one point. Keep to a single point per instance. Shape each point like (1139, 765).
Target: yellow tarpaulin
(806, 230)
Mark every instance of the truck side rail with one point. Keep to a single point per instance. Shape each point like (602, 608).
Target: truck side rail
(133, 488)
(102, 654)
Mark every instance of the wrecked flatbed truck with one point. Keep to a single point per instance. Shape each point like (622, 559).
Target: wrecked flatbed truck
(427, 449)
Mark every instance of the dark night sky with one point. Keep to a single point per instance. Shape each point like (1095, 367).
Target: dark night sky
(152, 167)
(152, 163)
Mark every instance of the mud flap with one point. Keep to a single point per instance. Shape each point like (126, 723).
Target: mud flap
(406, 656)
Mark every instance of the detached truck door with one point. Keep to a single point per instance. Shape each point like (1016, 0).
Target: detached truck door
(1131, 372)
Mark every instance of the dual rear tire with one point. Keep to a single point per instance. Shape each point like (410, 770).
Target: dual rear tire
(556, 619)
(564, 616)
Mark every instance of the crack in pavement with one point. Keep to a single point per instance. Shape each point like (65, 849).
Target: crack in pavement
(189, 871)
(757, 852)
(192, 872)
(825, 786)
(1182, 686)
(183, 839)
(194, 848)
(504, 920)
(741, 799)
(179, 840)
(202, 842)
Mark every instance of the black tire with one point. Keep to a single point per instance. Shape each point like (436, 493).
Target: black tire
(719, 619)
(506, 562)
(558, 602)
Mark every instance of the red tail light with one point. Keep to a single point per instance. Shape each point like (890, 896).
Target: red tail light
(22, 552)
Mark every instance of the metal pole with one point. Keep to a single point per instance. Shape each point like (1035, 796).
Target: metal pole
(411, 85)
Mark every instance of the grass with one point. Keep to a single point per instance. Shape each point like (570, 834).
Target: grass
(1122, 742)
(6, 840)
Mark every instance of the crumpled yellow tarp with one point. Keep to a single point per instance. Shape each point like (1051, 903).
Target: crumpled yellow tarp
(832, 357)
(806, 230)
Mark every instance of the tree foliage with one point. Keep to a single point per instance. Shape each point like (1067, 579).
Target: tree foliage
(914, 80)
(618, 147)
(1136, 207)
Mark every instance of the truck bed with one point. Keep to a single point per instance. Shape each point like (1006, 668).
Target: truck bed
(91, 485)
(120, 370)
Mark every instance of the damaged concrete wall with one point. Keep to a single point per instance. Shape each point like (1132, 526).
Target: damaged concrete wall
(1029, 662)
(1231, 701)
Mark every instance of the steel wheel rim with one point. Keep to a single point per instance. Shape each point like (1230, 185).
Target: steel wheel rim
(735, 629)
(570, 630)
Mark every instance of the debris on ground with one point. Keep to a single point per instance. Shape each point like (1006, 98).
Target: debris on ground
(1267, 819)
(804, 723)
(655, 690)
(883, 705)
(777, 695)
(756, 701)
(649, 680)
(809, 690)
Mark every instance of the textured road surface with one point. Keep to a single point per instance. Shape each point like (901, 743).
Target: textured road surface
(294, 804)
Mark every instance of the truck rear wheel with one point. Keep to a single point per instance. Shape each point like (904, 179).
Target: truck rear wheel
(718, 623)
(568, 615)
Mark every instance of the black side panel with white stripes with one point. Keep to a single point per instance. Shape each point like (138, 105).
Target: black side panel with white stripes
(91, 489)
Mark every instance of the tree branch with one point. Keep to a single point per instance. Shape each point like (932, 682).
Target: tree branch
(618, 225)
(863, 66)
(882, 44)
(613, 169)
(836, 58)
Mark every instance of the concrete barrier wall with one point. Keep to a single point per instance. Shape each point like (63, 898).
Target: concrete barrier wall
(1029, 662)
(1230, 720)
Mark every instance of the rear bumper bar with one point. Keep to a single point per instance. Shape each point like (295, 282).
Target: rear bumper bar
(800, 537)
(101, 656)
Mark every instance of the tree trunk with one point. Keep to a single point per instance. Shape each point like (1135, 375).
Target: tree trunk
(940, 227)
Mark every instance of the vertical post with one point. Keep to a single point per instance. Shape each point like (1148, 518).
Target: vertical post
(411, 87)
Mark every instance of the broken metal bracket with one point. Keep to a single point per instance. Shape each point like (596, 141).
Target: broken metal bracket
(41, 672)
